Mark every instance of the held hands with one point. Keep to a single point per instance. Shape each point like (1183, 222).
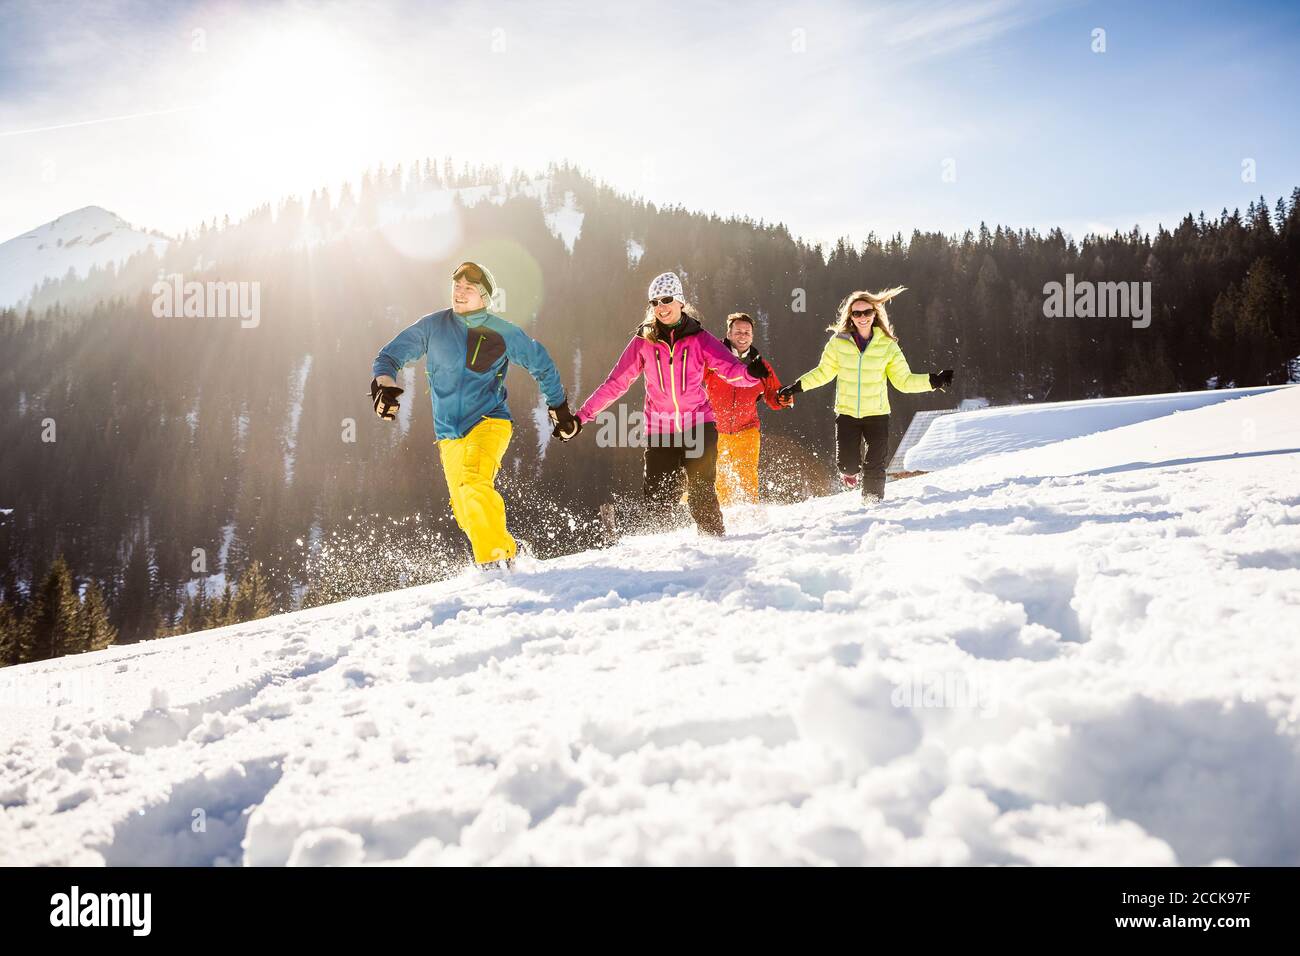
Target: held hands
(384, 398)
(941, 379)
(567, 425)
(785, 395)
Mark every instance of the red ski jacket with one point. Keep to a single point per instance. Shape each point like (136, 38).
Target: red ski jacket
(735, 407)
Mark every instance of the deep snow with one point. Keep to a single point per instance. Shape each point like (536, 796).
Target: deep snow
(1079, 653)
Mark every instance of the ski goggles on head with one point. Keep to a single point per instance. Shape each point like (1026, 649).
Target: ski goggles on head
(473, 272)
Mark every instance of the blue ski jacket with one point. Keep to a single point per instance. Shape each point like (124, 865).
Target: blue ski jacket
(466, 360)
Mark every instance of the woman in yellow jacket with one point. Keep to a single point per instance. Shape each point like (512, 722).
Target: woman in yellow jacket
(861, 354)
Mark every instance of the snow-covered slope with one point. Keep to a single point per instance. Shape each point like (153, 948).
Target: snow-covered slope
(426, 222)
(79, 240)
(955, 439)
(566, 222)
(1086, 659)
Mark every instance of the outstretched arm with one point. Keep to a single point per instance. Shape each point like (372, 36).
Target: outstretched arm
(407, 346)
(826, 371)
(620, 379)
(526, 351)
(904, 379)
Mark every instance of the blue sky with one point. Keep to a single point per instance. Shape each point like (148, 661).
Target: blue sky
(836, 118)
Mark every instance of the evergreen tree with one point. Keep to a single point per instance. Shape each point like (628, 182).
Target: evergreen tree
(221, 610)
(1260, 322)
(12, 636)
(196, 610)
(54, 615)
(253, 595)
(1223, 329)
(93, 628)
(138, 617)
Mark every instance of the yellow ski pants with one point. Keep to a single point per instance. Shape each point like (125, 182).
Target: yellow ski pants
(471, 465)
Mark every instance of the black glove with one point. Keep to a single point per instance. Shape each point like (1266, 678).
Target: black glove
(941, 379)
(567, 425)
(385, 399)
(791, 390)
(756, 367)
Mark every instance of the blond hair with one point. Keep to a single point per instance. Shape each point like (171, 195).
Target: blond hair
(844, 323)
(648, 329)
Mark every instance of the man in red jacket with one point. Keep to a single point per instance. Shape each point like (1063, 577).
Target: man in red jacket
(735, 407)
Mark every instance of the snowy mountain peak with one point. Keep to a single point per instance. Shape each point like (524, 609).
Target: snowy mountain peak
(78, 240)
(84, 224)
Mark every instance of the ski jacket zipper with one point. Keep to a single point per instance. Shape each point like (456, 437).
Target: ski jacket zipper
(672, 381)
(858, 410)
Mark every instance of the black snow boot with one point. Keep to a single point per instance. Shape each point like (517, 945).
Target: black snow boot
(873, 490)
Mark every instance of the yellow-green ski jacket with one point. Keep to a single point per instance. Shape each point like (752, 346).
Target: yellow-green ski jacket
(861, 375)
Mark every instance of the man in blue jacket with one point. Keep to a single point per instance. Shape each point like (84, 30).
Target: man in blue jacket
(467, 350)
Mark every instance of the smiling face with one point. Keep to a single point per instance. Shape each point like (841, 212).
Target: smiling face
(465, 297)
(669, 314)
(862, 322)
(741, 335)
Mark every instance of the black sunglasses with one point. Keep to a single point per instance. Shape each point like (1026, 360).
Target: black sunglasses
(861, 313)
(664, 301)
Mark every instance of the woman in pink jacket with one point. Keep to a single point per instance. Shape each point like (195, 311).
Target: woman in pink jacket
(673, 351)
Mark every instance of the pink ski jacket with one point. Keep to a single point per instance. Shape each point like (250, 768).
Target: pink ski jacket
(675, 398)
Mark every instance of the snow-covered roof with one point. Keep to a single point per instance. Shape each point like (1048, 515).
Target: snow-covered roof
(916, 429)
(953, 440)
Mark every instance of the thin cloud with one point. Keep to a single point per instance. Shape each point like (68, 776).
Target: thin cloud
(935, 30)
